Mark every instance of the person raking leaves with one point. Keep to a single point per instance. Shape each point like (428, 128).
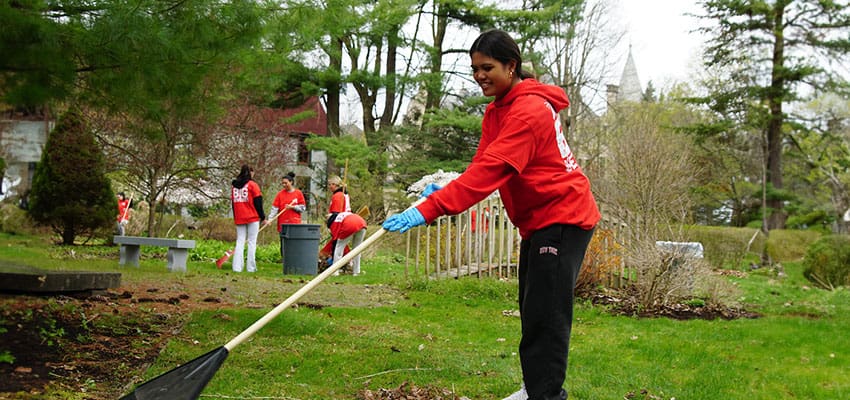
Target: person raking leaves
(523, 153)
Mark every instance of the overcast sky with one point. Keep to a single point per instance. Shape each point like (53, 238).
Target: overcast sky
(664, 49)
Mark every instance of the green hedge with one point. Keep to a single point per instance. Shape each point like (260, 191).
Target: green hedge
(726, 247)
(827, 262)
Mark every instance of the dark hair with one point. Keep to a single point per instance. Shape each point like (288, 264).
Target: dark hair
(290, 177)
(499, 45)
(245, 173)
(331, 219)
(121, 194)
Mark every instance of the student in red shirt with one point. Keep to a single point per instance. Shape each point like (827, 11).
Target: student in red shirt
(523, 153)
(340, 202)
(346, 227)
(123, 213)
(290, 202)
(247, 200)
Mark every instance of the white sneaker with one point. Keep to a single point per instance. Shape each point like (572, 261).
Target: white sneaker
(520, 394)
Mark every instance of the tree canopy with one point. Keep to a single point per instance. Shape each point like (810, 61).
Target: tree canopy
(775, 53)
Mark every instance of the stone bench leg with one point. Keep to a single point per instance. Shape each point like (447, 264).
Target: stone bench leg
(129, 254)
(177, 259)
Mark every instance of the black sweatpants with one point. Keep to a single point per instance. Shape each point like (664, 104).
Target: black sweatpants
(549, 264)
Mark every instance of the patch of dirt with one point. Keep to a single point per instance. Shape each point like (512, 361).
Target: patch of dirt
(627, 303)
(99, 344)
(408, 391)
(93, 344)
(642, 394)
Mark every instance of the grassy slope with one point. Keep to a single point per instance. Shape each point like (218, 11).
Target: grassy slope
(454, 334)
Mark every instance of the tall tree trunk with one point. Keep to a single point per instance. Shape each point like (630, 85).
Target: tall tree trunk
(333, 94)
(151, 199)
(389, 101)
(386, 125)
(68, 235)
(774, 126)
(367, 91)
(434, 84)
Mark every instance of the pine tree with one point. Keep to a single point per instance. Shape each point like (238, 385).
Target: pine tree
(776, 54)
(70, 192)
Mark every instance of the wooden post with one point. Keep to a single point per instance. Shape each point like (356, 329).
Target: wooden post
(511, 250)
(490, 236)
(448, 243)
(418, 241)
(407, 255)
(437, 263)
(502, 228)
(427, 250)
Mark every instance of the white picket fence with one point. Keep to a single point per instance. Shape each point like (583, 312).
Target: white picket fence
(458, 246)
(481, 241)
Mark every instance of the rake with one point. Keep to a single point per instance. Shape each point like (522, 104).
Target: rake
(188, 380)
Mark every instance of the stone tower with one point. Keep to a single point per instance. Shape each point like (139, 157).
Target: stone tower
(629, 88)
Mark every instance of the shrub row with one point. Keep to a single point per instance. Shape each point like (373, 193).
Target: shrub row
(827, 262)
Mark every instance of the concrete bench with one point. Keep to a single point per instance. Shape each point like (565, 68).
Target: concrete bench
(178, 250)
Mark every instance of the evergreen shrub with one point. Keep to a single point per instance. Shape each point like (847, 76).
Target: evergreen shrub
(827, 262)
(70, 191)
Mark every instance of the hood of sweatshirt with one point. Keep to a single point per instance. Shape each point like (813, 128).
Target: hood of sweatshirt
(553, 94)
(239, 184)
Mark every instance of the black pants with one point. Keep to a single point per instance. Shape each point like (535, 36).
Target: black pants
(549, 264)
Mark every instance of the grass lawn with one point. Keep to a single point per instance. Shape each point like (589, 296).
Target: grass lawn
(381, 330)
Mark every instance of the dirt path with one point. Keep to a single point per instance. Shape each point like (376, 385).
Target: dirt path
(97, 345)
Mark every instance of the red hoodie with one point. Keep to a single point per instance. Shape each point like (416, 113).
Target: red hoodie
(523, 153)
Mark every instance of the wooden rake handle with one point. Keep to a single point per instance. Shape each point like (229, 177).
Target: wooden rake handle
(256, 326)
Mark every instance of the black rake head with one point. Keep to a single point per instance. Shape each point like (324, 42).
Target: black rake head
(184, 382)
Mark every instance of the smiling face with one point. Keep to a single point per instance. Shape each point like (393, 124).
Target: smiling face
(495, 78)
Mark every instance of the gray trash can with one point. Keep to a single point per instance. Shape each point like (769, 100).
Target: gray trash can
(300, 246)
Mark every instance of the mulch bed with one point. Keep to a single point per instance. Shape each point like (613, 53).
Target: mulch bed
(62, 342)
(626, 302)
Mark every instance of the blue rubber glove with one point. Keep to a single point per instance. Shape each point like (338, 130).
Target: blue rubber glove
(430, 189)
(404, 221)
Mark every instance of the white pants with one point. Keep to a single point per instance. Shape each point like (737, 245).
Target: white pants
(355, 240)
(246, 232)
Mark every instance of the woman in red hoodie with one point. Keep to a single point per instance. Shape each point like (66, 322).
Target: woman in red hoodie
(347, 228)
(523, 153)
(247, 202)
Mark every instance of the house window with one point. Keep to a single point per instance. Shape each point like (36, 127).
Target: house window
(303, 152)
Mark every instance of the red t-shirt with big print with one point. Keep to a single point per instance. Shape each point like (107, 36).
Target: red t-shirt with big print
(243, 203)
